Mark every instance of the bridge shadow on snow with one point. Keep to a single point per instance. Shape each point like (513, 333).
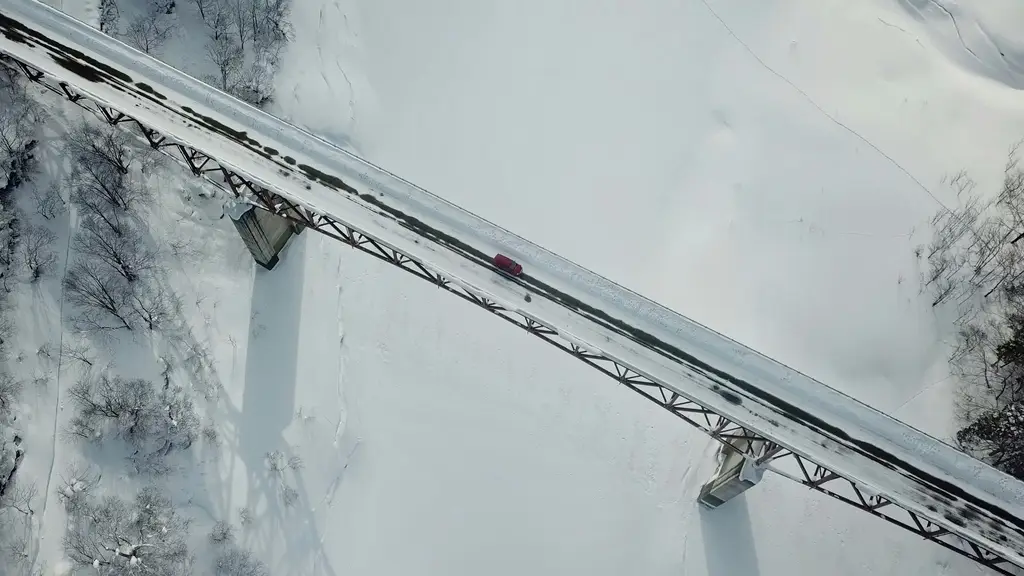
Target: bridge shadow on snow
(271, 356)
(728, 540)
(268, 406)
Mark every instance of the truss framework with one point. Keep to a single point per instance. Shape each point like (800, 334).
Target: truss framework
(768, 453)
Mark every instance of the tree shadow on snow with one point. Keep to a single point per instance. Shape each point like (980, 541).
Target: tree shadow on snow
(728, 540)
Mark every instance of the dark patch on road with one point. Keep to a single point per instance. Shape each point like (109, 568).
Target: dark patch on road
(728, 396)
(326, 179)
(214, 125)
(149, 90)
(954, 518)
(13, 30)
(72, 60)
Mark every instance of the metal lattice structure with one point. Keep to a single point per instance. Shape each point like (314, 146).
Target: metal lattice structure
(769, 453)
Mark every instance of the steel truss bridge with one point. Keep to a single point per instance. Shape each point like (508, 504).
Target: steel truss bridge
(796, 426)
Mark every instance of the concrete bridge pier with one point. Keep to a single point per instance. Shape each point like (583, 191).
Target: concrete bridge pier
(735, 473)
(264, 233)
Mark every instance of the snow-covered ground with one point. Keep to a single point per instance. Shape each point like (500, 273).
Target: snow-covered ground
(766, 171)
(774, 167)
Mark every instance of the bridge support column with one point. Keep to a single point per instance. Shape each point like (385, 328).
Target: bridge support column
(735, 473)
(264, 233)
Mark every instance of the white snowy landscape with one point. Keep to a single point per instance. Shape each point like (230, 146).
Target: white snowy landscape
(767, 169)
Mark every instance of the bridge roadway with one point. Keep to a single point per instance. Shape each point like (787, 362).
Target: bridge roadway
(880, 454)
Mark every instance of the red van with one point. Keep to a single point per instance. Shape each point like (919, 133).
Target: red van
(508, 265)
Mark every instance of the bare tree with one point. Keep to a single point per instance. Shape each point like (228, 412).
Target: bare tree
(289, 495)
(154, 422)
(104, 193)
(77, 483)
(36, 255)
(270, 23)
(976, 268)
(217, 18)
(238, 16)
(19, 115)
(17, 548)
(16, 527)
(20, 498)
(119, 538)
(154, 304)
(109, 15)
(6, 332)
(206, 8)
(255, 84)
(114, 189)
(149, 32)
(239, 562)
(49, 203)
(275, 462)
(88, 143)
(103, 297)
(210, 435)
(93, 206)
(126, 254)
(79, 352)
(104, 402)
(222, 533)
(10, 389)
(164, 7)
(10, 235)
(227, 55)
(179, 424)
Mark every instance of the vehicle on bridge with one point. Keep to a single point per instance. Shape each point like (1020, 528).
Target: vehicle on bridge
(508, 265)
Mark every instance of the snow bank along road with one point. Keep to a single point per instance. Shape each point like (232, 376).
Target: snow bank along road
(913, 470)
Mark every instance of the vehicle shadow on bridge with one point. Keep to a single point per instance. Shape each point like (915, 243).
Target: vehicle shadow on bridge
(728, 539)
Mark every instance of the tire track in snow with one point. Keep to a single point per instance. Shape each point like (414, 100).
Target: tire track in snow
(351, 87)
(337, 65)
(320, 51)
(956, 27)
(810, 100)
(342, 425)
(342, 410)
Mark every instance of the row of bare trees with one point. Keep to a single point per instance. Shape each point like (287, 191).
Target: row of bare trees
(152, 420)
(145, 534)
(113, 278)
(975, 269)
(22, 246)
(116, 282)
(245, 39)
(245, 42)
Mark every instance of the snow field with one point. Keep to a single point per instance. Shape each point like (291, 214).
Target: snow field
(781, 224)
